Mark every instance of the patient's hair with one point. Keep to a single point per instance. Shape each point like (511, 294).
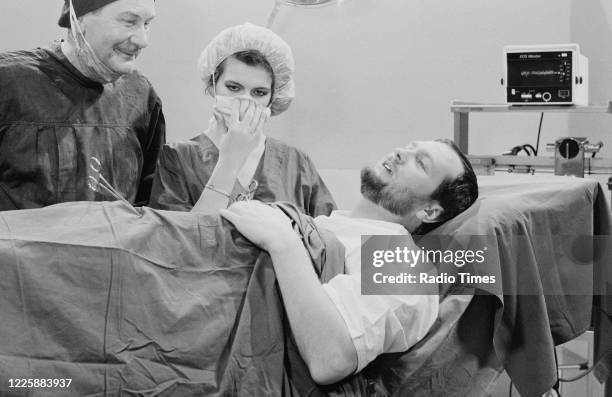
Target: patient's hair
(249, 57)
(453, 195)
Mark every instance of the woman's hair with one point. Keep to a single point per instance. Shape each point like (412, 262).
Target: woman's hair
(249, 57)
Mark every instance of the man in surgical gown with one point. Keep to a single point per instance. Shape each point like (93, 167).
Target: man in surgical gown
(79, 98)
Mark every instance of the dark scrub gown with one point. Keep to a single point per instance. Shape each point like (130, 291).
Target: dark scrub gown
(284, 173)
(53, 119)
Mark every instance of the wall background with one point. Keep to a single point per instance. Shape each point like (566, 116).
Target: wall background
(371, 74)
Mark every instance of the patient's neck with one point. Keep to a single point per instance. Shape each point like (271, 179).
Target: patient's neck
(366, 209)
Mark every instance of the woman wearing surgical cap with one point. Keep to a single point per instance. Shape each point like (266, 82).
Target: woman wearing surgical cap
(248, 70)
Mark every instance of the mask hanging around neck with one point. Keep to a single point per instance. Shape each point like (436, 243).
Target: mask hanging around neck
(89, 63)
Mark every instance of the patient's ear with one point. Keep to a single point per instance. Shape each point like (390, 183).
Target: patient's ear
(430, 213)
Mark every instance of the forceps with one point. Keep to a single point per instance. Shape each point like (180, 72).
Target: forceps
(98, 183)
(250, 192)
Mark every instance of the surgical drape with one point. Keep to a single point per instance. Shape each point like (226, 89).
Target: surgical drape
(159, 303)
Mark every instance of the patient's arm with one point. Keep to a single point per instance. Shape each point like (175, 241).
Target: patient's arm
(320, 332)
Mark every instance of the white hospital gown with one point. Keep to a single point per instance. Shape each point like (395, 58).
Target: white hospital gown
(377, 323)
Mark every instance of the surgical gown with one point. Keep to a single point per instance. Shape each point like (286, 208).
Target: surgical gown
(284, 173)
(53, 120)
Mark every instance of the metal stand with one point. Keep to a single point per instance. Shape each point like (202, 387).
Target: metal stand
(461, 114)
(462, 110)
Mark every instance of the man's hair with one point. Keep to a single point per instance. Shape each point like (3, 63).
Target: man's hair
(454, 195)
(248, 57)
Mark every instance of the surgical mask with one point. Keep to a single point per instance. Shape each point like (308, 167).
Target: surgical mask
(224, 106)
(89, 63)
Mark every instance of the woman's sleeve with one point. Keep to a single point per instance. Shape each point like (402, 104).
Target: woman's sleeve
(319, 200)
(169, 191)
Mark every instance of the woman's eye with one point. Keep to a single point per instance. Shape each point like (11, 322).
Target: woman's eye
(232, 88)
(261, 93)
(129, 22)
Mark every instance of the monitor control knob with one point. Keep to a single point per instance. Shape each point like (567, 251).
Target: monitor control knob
(546, 96)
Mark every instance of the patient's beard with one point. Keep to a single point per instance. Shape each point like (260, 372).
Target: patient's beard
(374, 189)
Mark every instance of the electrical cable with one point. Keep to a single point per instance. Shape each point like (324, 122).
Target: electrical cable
(539, 131)
(575, 378)
(555, 387)
(513, 152)
(533, 151)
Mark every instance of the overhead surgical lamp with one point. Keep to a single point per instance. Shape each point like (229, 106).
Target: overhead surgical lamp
(297, 3)
(308, 3)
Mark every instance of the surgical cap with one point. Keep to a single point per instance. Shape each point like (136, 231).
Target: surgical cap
(81, 7)
(252, 37)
